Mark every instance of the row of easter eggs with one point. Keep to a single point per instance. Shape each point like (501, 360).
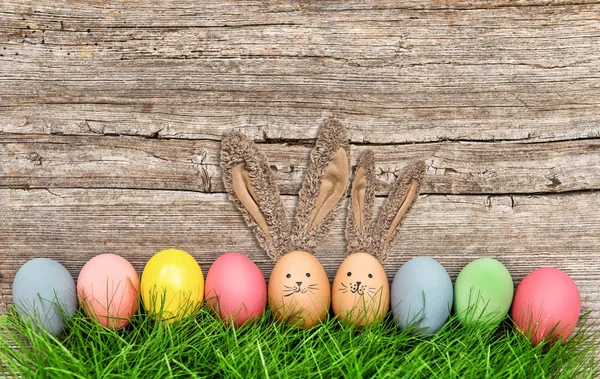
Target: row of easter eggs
(172, 286)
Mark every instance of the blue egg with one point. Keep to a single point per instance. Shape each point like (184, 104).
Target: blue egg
(44, 294)
(422, 295)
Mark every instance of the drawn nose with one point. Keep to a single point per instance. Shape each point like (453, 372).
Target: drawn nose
(358, 284)
(298, 283)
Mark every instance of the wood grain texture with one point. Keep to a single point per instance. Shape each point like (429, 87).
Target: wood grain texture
(111, 115)
(428, 70)
(453, 168)
(524, 232)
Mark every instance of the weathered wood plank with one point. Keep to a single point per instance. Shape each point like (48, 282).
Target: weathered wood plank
(453, 168)
(524, 232)
(429, 70)
(187, 72)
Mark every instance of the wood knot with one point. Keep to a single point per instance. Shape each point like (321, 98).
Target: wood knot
(35, 158)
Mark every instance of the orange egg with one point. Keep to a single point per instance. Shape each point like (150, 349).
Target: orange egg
(299, 290)
(361, 291)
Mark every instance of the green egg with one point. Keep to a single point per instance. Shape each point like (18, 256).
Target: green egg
(483, 292)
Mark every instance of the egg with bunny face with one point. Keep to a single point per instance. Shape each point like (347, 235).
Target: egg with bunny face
(361, 291)
(299, 290)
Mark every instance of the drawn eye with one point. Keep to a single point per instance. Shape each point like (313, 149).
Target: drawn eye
(370, 275)
(288, 276)
(349, 273)
(308, 274)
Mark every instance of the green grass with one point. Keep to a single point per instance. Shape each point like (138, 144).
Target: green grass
(205, 347)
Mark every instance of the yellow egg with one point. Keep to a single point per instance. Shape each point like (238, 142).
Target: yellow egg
(361, 291)
(299, 290)
(172, 285)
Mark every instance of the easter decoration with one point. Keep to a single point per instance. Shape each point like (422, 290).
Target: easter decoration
(547, 304)
(422, 295)
(172, 285)
(360, 292)
(108, 290)
(235, 289)
(483, 292)
(298, 290)
(44, 294)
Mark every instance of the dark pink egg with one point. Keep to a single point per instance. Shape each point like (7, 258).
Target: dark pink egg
(547, 304)
(236, 289)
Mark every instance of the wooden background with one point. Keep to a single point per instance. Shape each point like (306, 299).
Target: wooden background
(111, 117)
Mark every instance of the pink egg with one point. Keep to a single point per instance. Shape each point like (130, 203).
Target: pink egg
(236, 289)
(547, 304)
(107, 288)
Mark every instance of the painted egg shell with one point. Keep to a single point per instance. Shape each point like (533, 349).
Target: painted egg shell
(236, 289)
(107, 288)
(547, 301)
(483, 292)
(299, 290)
(172, 285)
(360, 292)
(44, 294)
(422, 295)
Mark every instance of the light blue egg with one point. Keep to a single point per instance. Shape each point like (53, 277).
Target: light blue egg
(44, 294)
(422, 295)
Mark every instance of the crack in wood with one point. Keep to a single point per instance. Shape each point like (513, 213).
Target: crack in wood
(205, 184)
(219, 193)
(265, 139)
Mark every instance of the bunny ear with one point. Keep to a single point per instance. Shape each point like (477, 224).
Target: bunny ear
(251, 185)
(403, 195)
(360, 207)
(325, 185)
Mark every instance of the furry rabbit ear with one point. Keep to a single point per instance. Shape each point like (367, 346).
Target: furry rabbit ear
(360, 208)
(324, 187)
(403, 195)
(251, 185)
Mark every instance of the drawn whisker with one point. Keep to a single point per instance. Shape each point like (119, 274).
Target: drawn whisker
(344, 285)
(289, 294)
(287, 287)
